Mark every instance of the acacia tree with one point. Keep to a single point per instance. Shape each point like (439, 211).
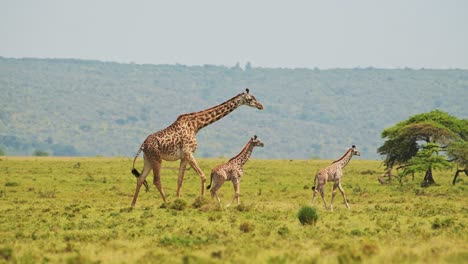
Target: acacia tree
(421, 143)
(458, 153)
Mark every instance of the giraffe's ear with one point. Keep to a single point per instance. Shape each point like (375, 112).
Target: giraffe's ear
(255, 136)
(247, 90)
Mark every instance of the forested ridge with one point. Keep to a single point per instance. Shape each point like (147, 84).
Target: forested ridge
(91, 108)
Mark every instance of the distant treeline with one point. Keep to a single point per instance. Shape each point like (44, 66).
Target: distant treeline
(69, 107)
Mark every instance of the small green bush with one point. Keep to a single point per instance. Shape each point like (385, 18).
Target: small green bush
(442, 223)
(178, 205)
(40, 153)
(200, 201)
(11, 184)
(307, 215)
(6, 253)
(244, 207)
(246, 227)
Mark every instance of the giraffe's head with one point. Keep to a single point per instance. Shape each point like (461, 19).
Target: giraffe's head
(256, 142)
(249, 100)
(355, 151)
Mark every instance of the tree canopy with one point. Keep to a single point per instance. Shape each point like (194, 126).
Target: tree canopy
(424, 142)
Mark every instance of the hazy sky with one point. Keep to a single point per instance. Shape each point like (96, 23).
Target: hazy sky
(291, 34)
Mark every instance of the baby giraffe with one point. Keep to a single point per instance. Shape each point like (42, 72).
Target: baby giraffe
(232, 170)
(333, 173)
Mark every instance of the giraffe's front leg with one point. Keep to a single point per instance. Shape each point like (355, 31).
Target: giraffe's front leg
(235, 184)
(191, 160)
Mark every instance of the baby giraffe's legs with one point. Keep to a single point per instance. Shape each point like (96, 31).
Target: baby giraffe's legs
(344, 195)
(217, 183)
(235, 183)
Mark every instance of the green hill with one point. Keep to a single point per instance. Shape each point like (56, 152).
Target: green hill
(77, 107)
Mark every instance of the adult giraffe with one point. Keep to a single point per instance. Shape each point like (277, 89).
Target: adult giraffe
(178, 142)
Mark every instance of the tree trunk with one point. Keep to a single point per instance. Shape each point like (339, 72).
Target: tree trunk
(387, 173)
(456, 175)
(428, 180)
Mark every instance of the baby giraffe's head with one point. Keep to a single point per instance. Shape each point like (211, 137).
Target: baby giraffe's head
(256, 142)
(355, 151)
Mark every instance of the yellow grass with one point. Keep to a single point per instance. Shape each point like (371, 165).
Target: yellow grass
(77, 210)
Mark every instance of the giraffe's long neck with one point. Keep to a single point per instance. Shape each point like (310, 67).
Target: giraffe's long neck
(243, 155)
(345, 159)
(206, 117)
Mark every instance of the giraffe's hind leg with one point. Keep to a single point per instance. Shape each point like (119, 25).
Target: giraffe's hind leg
(217, 183)
(141, 179)
(195, 166)
(344, 195)
(322, 193)
(316, 190)
(156, 164)
(335, 186)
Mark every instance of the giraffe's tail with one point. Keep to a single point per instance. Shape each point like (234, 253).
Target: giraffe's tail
(211, 180)
(136, 172)
(315, 180)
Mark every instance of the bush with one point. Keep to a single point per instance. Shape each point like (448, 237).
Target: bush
(40, 153)
(6, 253)
(442, 223)
(244, 207)
(178, 205)
(307, 215)
(200, 201)
(246, 227)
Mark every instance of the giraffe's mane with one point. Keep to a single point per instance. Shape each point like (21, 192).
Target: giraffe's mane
(341, 157)
(242, 151)
(195, 113)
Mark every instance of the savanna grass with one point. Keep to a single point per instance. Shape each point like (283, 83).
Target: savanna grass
(53, 210)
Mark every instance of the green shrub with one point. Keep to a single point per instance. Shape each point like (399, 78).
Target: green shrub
(307, 215)
(11, 184)
(178, 205)
(200, 201)
(6, 253)
(442, 223)
(40, 153)
(246, 227)
(243, 207)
